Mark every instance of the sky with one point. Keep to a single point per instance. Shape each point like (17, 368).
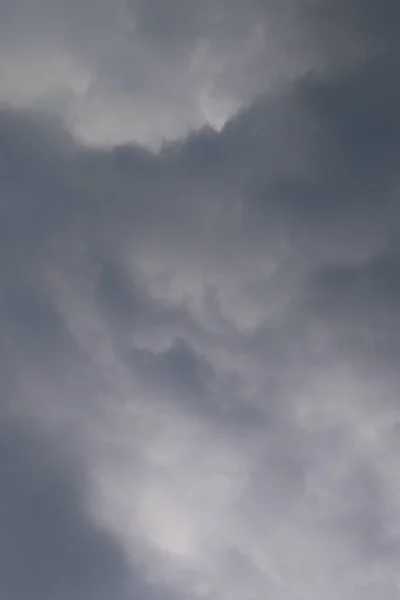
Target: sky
(199, 300)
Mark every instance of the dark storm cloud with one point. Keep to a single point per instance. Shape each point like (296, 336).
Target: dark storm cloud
(178, 366)
(312, 161)
(238, 289)
(185, 374)
(374, 24)
(361, 302)
(50, 547)
(352, 161)
(370, 285)
(315, 158)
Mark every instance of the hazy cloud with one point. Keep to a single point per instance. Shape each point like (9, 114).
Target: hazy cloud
(199, 344)
(51, 547)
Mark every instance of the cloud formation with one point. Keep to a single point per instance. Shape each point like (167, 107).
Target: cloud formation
(133, 70)
(199, 344)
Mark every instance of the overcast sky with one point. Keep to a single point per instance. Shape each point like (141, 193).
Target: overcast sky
(199, 299)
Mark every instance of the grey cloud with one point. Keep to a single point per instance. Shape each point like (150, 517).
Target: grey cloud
(372, 23)
(50, 547)
(158, 69)
(328, 191)
(351, 160)
(361, 302)
(117, 296)
(178, 366)
(329, 176)
(225, 287)
(181, 371)
(166, 193)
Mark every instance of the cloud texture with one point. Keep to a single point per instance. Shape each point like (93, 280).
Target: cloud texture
(199, 343)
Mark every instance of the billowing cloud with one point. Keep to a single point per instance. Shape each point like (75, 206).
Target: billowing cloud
(133, 70)
(199, 344)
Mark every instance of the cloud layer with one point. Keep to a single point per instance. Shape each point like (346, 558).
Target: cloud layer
(199, 344)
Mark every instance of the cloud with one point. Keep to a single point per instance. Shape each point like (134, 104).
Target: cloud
(51, 547)
(163, 68)
(211, 326)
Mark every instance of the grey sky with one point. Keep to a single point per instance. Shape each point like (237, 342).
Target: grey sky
(199, 343)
